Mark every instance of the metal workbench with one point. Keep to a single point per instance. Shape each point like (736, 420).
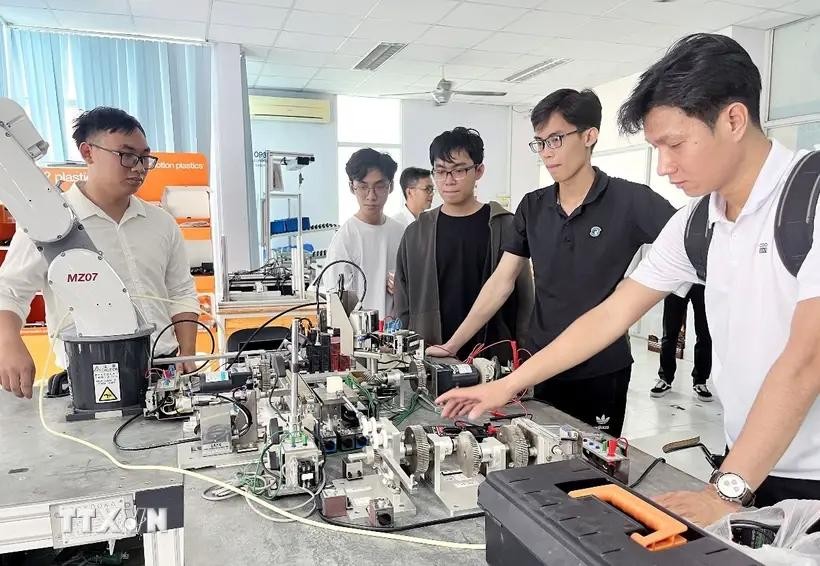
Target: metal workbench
(228, 532)
(40, 473)
(40, 470)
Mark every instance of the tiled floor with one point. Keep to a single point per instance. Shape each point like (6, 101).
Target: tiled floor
(651, 423)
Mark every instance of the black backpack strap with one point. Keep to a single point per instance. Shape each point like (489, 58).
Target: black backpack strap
(697, 236)
(794, 223)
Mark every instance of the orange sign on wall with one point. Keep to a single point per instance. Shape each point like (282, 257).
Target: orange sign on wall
(173, 169)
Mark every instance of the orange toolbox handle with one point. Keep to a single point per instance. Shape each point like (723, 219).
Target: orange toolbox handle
(667, 530)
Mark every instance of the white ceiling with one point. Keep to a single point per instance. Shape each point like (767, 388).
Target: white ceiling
(312, 45)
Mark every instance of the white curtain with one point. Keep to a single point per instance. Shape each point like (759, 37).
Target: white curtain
(166, 86)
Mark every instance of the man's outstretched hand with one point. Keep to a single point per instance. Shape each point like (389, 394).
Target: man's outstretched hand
(702, 507)
(440, 352)
(475, 401)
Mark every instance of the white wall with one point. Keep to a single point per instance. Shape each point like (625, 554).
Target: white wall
(524, 164)
(228, 155)
(422, 121)
(753, 41)
(320, 188)
(612, 95)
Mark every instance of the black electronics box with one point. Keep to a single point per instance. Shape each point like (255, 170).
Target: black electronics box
(443, 376)
(531, 520)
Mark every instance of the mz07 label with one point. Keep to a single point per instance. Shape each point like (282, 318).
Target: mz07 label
(81, 277)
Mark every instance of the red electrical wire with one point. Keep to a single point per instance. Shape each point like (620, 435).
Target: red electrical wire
(491, 345)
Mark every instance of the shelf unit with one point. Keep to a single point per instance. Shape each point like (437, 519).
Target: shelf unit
(295, 161)
(308, 231)
(297, 263)
(191, 208)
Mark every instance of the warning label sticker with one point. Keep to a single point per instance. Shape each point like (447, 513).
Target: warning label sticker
(107, 395)
(107, 383)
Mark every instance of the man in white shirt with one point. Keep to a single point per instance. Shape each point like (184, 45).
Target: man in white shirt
(699, 106)
(142, 243)
(417, 186)
(368, 239)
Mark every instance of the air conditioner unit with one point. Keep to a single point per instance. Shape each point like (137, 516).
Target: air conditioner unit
(293, 109)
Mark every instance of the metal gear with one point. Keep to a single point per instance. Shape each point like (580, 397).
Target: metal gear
(417, 456)
(419, 381)
(468, 453)
(518, 451)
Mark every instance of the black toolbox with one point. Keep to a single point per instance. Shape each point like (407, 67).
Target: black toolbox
(531, 519)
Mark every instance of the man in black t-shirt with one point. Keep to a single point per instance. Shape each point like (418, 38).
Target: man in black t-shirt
(581, 233)
(447, 255)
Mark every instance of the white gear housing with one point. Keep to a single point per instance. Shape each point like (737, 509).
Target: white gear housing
(97, 297)
(38, 207)
(78, 274)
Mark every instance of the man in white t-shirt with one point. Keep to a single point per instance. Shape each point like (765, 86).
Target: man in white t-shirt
(369, 238)
(699, 107)
(417, 187)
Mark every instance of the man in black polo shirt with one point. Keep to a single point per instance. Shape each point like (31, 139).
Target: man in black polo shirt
(581, 233)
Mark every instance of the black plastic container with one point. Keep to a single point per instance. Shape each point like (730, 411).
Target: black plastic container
(107, 375)
(532, 521)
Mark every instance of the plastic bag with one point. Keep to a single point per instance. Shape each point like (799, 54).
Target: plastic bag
(791, 546)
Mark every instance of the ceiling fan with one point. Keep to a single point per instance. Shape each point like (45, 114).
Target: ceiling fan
(444, 91)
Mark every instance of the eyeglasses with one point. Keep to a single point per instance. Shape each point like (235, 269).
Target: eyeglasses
(457, 174)
(379, 188)
(130, 160)
(428, 189)
(555, 141)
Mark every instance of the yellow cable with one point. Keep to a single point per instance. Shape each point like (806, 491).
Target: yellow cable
(238, 491)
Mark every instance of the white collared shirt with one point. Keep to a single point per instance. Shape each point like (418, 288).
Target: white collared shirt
(750, 300)
(404, 217)
(145, 249)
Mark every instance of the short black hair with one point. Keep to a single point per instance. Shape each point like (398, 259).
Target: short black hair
(409, 177)
(104, 119)
(701, 74)
(581, 109)
(364, 160)
(447, 143)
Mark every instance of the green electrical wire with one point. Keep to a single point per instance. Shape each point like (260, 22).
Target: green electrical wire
(411, 408)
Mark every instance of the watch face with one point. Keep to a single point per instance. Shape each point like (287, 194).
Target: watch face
(731, 485)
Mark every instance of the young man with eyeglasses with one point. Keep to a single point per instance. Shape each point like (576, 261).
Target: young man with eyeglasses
(449, 252)
(417, 187)
(369, 238)
(142, 243)
(582, 233)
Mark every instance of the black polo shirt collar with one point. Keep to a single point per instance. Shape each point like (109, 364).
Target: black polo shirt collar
(599, 185)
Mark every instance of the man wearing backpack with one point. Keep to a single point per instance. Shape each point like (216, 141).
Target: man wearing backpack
(699, 106)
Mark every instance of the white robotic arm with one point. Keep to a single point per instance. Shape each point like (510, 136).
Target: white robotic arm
(77, 272)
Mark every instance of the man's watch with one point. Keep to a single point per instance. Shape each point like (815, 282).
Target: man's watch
(731, 487)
